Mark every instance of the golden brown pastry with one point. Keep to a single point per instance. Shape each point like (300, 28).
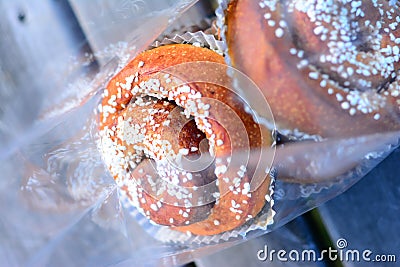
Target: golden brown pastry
(156, 115)
(329, 68)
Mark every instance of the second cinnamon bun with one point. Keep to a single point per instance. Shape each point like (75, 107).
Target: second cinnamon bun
(329, 68)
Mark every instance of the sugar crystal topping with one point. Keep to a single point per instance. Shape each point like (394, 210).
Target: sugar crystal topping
(136, 134)
(358, 49)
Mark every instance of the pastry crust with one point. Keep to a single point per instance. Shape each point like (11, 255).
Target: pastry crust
(143, 127)
(330, 69)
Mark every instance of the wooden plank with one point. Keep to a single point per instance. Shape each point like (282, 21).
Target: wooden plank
(367, 215)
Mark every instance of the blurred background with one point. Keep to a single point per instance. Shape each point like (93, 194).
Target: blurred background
(37, 35)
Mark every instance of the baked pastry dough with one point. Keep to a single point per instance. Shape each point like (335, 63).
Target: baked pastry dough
(153, 119)
(329, 68)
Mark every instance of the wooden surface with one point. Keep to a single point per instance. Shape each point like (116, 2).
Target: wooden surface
(38, 34)
(367, 216)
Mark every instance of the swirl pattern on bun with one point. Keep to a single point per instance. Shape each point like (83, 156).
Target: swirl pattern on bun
(152, 122)
(329, 68)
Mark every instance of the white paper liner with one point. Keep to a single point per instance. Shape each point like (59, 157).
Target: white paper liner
(262, 221)
(204, 25)
(197, 39)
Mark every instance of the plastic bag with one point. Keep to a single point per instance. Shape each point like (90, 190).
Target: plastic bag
(61, 207)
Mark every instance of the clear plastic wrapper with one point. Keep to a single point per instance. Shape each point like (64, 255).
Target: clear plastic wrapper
(62, 207)
(328, 162)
